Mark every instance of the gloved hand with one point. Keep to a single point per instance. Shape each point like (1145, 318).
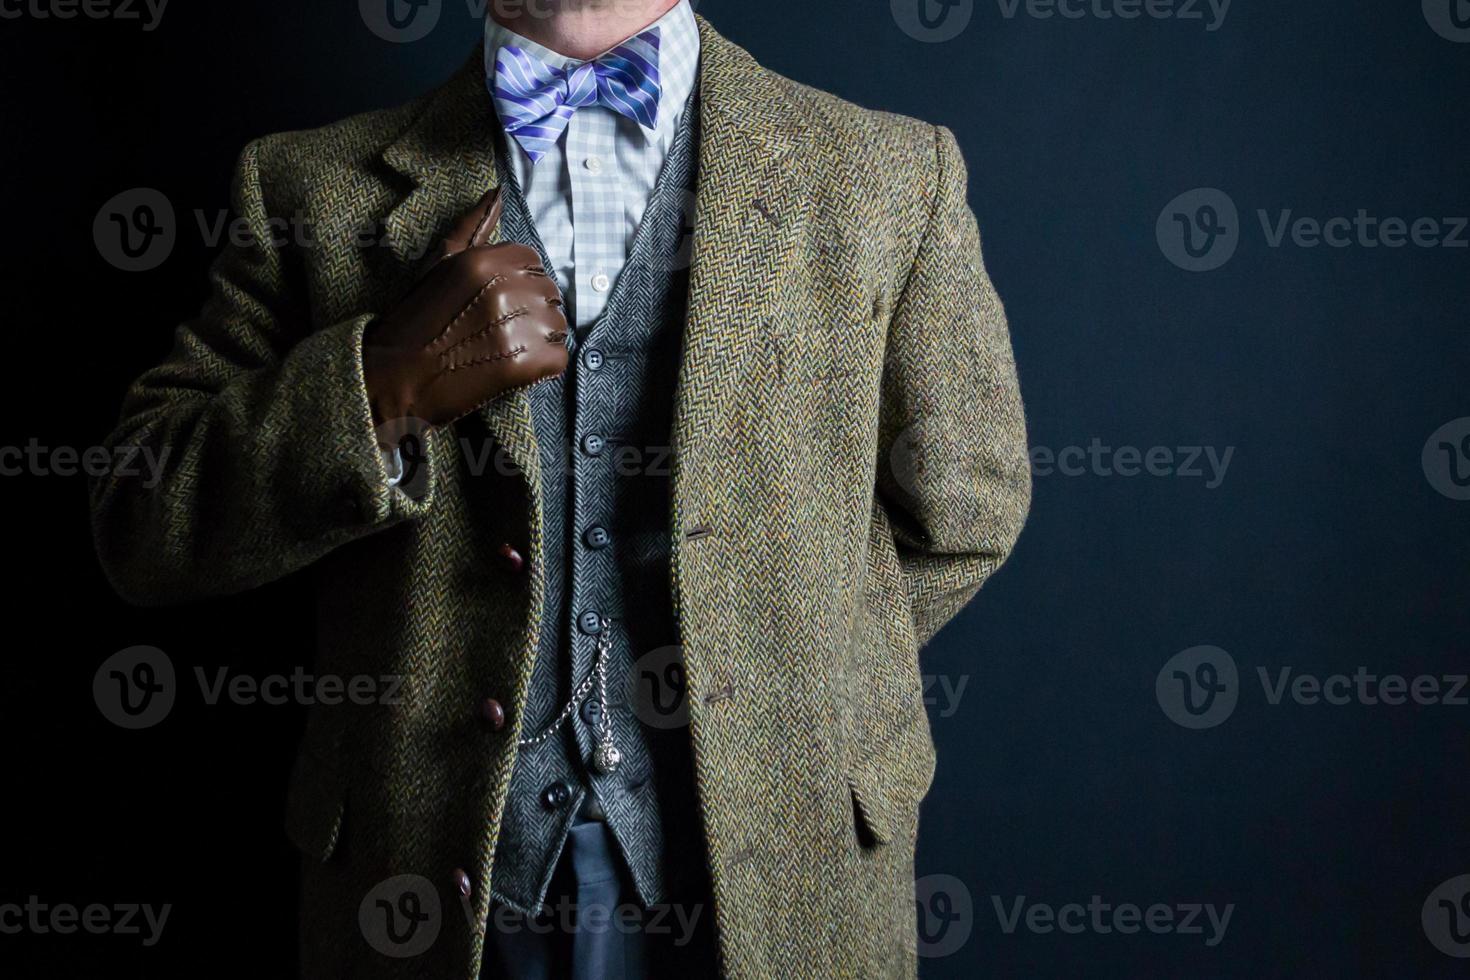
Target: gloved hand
(483, 320)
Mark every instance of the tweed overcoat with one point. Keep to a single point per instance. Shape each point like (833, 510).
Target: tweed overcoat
(848, 464)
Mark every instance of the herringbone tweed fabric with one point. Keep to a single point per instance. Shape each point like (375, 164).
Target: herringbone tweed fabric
(849, 467)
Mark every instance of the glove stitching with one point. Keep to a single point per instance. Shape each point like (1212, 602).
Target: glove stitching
(449, 327)
(482, 359)
(501, 321)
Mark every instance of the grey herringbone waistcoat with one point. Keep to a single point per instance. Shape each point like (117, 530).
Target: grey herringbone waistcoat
(603, 430)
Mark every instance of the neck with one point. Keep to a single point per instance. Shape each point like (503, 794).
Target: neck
(580, 29)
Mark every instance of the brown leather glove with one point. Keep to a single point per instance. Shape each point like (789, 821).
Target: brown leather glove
(483, 320)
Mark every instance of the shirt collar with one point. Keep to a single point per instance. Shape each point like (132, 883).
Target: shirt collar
(678, 60)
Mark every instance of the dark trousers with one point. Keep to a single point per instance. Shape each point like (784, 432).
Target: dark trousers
(594, 928)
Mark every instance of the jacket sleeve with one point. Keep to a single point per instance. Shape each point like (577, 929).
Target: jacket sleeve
(261, 433)
(953, 470)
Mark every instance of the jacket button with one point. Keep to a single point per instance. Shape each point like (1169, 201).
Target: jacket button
(556, 795)
(590, 622)
(492, 714)
(511, 558)
(461, 882)
(596, 537)
(592, 445)
(592, 358)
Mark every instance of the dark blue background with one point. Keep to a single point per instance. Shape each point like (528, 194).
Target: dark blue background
(1324, 549)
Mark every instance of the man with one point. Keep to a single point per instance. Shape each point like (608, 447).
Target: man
(652, 530)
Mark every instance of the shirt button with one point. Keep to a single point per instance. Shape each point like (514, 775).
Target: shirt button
(592, 445)
(593, 165)
(592, 358)
(601, 282)
(590, 622)
(596, 537)
(556, 795)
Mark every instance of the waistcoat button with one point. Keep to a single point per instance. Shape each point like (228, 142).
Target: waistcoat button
(591, 711)
(556, 795)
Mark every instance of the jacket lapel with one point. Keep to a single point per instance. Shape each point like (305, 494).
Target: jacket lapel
(448, 153)
(749, 209)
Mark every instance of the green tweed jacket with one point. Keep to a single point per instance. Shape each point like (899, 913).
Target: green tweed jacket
(849, 465)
